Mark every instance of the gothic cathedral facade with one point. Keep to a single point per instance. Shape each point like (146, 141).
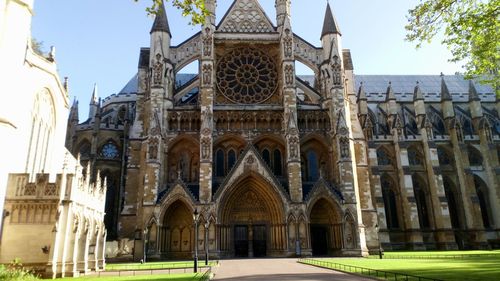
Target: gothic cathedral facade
(285, 165)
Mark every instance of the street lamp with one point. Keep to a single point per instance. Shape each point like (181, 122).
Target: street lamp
(378, 239)
(207, 224)
(195, 218)
(145, 239)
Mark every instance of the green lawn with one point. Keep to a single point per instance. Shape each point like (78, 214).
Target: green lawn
(170, 277)
(471, 266)
(154, 265)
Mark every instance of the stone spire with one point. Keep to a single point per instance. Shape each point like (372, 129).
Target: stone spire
(94, 103)
(445, 93)
(73, 114)
(161, 21)
(95, 97)
(330, 25)
(446, 100)
(474, 102)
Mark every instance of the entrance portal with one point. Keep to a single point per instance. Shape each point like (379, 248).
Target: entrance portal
(319, 240)
(250, 241)
(251, 220)
(259, 240)
(241, 241)
(326, 228)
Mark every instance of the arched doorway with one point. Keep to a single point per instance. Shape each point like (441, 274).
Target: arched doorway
(252, 219)
(325, 228)
(177, 235)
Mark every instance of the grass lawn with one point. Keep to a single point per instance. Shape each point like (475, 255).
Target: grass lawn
(154, 265)
(170, 277)
(470, 268)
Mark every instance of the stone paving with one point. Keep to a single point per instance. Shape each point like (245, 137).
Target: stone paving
(276, 269)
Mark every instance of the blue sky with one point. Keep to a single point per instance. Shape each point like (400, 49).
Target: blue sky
(98, 41)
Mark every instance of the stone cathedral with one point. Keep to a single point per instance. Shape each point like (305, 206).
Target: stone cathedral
(282, 165)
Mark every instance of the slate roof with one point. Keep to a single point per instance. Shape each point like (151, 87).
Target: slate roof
(402, 85)
(329, 23)
(161, 21)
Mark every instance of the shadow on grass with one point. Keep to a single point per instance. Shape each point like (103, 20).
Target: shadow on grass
(294, 277)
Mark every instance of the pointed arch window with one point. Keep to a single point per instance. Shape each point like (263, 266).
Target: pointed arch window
(421, 200)
(475, 158)
(383, 157)
(312, 166)
(389, 196)
(414, 157)
(452, 203)
(482, 196)
(231, 159)
(278, 168)
(219, 163)
(443, 157)
(266, 156)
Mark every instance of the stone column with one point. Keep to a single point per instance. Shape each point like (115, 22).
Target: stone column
(207, 95)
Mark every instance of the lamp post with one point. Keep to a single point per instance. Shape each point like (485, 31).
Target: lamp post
(207, 224)
(195, 218)
(145, 242)
(378, 239)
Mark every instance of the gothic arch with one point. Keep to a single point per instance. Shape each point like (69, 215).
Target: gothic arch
(326, 225)
(385, 156)
(452, 194)
(271, 198)
(183, 157)
(177, 233)
(421, 192)
(392, 202)
(475, 157)
(483, 198)
(84, 148)
(316, 158)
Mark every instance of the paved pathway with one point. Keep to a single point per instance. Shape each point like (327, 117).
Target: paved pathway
(276, 269)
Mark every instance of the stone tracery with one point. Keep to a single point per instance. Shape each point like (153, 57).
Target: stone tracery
(247, 76)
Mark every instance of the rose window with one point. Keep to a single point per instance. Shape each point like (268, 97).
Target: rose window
(247, 76)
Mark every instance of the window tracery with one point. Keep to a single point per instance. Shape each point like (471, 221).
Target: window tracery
(247, 76)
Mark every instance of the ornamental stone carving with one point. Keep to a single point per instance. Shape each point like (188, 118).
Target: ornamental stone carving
(157, 71)
(288, 44)
(205, 148)
(207, 43)
(153, 148)
(246, 16)
(289, 73)
(247, 76)
(207, 74)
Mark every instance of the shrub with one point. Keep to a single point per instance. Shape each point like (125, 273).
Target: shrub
(16, 272)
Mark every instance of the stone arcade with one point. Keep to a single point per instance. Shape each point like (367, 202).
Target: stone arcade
(286, 165)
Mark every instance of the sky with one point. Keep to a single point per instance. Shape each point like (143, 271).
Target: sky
(98, 41)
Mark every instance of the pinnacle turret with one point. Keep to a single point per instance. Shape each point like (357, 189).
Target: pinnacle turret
(417, 93)
(390, 93)
(330, 25)
(95, 97)
(445, 93)
(473, 96)
(161, 21)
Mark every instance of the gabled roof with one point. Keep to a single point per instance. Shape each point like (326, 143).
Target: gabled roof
(330, 25)
(246, 16)
(250, 161)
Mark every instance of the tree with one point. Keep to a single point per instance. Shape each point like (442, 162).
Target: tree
(471, 32)
(193, 8)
